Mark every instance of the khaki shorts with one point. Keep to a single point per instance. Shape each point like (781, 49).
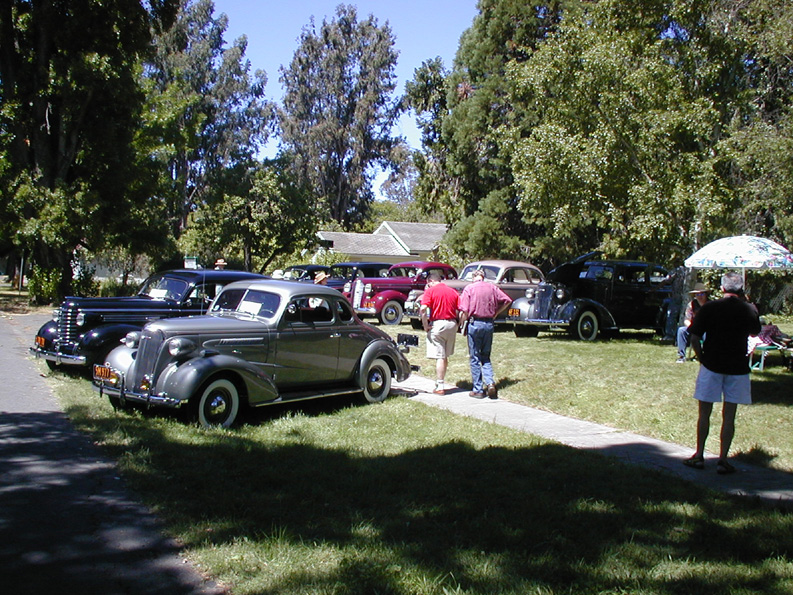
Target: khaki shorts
(440, 339)
(711, 385)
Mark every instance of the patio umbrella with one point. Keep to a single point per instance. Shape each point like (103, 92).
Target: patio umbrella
(741, 252)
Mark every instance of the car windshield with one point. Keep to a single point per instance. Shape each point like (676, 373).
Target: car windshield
(402, 272)
(162, 287)
(250, 302)
(294, 273)
(491, 273)
(342, 272)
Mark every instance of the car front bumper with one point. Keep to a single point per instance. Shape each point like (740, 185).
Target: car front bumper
(59, 358)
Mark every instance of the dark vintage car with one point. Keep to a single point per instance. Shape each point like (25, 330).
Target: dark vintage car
(304, 272)
(343, 274)
(513, 277)
(84, 330)
(384, 297)
(263, 342)
(587, 296)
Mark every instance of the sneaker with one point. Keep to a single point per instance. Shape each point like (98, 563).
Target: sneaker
(438, 391)
(476, 394)
(492, 391)
(681, 360)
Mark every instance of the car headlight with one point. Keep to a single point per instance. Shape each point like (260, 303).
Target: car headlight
(80, 318)
(56, 314)
(560, 294)
(347, 287)
(180, 347)
(367, 288)
(132, 339)
(531, 292)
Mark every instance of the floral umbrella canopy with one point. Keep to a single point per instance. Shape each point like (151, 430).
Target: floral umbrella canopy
(741, 252)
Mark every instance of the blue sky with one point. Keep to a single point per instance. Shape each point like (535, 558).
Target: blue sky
(423, 29)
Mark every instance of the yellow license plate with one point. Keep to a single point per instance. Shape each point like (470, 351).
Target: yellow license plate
(103, 372)
(40, 341)
(514, 312)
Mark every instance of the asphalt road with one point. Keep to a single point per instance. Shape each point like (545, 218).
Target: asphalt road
(68, 524)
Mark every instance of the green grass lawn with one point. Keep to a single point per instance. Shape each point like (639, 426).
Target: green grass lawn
(337, 497)
(632, 383)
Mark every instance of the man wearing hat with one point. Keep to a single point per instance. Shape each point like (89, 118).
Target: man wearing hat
(700, 297)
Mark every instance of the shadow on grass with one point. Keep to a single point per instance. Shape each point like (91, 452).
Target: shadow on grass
(544, 518)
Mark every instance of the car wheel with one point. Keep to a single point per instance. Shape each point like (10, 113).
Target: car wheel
(218, 404)
(416, 324)
(391, 313)
(377, 381)
(586, 326)
(523, 330)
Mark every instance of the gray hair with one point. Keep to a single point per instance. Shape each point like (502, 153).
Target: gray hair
(732, 282)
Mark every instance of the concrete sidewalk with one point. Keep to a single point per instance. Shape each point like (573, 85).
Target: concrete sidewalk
(68, 524)
(768, 485)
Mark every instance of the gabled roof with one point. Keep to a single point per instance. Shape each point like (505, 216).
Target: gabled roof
(363, 243)
(413, 237)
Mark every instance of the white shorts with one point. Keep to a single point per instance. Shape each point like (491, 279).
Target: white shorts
(440, 339)
(710, 387)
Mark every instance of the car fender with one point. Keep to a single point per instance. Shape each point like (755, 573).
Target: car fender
(569, 311)
(384, 349)
(382, 297)
(104, 337)
(182, 380)
(48, 330)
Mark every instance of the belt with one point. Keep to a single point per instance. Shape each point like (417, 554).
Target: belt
(481, 319)
(447, 319)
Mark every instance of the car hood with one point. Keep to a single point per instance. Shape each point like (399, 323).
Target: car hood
(568, 272)
(209, 324)
(117, 303)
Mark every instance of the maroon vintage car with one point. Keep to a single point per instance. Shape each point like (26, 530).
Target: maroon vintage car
(384, 297)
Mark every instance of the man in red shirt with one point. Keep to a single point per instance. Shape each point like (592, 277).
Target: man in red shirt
(439, 318)
(480, 303)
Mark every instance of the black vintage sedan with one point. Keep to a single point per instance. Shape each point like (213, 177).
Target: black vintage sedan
(84, 330)
(263, 342)
(588, 296)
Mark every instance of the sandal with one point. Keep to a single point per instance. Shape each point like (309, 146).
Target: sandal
(724, 468)
(695, 462)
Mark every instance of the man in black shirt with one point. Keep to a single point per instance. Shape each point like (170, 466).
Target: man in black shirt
(725, 325)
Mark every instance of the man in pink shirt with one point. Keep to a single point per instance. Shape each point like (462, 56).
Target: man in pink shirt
(480, 303)
(439, 318)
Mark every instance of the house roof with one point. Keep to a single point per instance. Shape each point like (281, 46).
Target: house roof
(391, 238)
(363, 243)
(414, 237)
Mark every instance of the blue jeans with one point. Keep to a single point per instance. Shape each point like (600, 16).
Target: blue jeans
(683, 336)
(480, 342)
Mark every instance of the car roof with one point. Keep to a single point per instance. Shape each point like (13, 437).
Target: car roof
(361, 263)
(212, 275)
(501, 263)
(420, 264)
(286, 289)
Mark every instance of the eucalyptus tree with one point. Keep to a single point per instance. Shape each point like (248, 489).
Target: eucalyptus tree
(69, 107)
(207, 113)
(338, 111)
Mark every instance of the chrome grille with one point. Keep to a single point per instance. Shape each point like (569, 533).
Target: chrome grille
(67, 327)
(146, 358)
(543, 302)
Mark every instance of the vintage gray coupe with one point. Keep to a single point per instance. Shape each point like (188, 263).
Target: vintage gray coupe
(263, 342)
